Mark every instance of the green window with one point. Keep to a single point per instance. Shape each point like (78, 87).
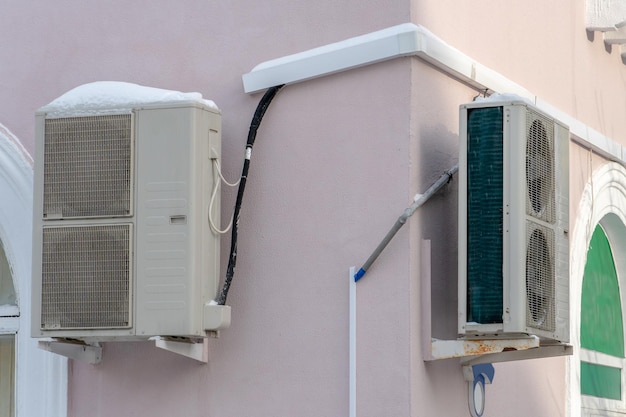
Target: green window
(601, 325)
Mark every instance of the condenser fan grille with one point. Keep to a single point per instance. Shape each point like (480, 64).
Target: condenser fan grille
(540, 167)
(540, 277)
(85, 277)
(87, 166)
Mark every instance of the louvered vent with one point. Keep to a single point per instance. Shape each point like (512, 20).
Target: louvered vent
(540, 167)
(540, 205)
(87, 166)
(540, 277)
(86, 277)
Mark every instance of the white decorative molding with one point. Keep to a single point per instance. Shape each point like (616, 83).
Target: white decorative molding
(608, 17)
(603, 201)
(41, 377)
(605, 15)
(617, 36)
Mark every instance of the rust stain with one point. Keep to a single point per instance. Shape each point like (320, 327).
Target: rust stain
(479, 348)
(449, 349)
(482, 347)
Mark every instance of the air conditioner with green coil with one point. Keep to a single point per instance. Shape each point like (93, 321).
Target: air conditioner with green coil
(513, 221)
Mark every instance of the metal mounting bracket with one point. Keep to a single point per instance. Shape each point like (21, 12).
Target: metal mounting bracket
(462, 348)
(197, 349)
(81, 351)
(92, 352)
(476, 351)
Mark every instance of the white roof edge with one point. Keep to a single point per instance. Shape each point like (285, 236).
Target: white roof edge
(586, 135)
(400, 40)
(409, 39)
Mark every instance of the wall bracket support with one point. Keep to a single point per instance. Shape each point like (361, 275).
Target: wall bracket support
(191, 348)
(84, 352)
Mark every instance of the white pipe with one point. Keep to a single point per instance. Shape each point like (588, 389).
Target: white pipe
(418, 201)
(352, 343)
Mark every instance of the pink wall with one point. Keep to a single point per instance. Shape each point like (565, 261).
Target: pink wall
(542, 46)
(191, 46)
(336, 161)
(329, 163)
(328, 153)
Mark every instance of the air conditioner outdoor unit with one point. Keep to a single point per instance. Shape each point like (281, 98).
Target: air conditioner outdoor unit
(513, 221)
(122, 247)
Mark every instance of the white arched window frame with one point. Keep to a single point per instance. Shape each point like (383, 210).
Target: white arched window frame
(603, 202)
(40, 377)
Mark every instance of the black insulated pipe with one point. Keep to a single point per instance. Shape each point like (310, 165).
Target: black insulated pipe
(254, 126)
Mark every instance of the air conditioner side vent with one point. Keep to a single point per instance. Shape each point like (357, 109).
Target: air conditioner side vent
(540, 165)
(86, 277)
(88, 166)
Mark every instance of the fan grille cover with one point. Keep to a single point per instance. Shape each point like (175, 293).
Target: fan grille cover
(540, 167)
(87, 166)
(86, 277)
(540, 277)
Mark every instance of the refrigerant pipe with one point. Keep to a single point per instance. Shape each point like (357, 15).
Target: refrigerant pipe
(418, 201)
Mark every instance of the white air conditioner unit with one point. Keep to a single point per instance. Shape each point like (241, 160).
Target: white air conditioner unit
(513, 221)
(122, 247)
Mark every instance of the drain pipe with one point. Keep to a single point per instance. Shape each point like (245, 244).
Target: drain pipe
(418, 201)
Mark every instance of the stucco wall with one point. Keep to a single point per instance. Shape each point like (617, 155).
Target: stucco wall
(542, 46)
(336, 161)
(330, 160)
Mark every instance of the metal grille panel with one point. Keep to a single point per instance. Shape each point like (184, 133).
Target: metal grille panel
(87, 166)
(86, 277)
(540, 284)
(540, 167)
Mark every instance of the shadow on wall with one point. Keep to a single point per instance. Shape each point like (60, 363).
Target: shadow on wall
(446, 388)
(439, 225)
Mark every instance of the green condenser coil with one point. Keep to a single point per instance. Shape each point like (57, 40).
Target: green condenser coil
(484, 214)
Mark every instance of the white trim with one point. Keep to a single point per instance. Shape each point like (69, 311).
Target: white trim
(404, 40)
(603, 201)
(355, 52)
(605, 15)
(352, 344)
(598, 358)
(9, 310)
(9, 325)
(398, 41)
(41, 377)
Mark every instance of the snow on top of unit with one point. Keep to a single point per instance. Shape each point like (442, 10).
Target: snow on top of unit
(118, 95)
